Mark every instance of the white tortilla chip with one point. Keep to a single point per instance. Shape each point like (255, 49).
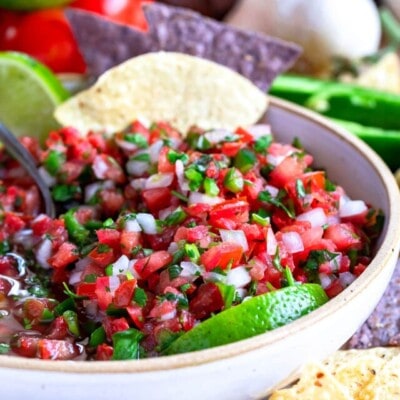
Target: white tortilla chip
(181, 89)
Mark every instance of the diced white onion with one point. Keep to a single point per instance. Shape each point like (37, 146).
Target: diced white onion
(325, 280)
(125, 145)
(91, 190)
(217, 135)
(43, 253)
(161, 180)
(138, 183)
(170, 315)
(137, 168)
(201, 198)
(147, 223)
(75, 277)
(271, 242)
(238, 277)
(234, 236)
(25, 238)
(189, 269)
(316, 217)
(275, 159)
(131, 225)
(113, 283)
(49, 180)
(180, 174)
(272, 190)
(346, 278)
(292, 242)
(99, 167)
(173, 248)
(259, 130)
(82, 263)
(351, 208)
(154, 150)
(121, 265)
(241, 293)
(162, 214)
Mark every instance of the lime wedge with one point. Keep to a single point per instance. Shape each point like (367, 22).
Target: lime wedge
(253, 317)
(29, 93)
(31, 4)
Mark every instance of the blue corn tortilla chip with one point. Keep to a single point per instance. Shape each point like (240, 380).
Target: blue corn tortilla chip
(104, 44)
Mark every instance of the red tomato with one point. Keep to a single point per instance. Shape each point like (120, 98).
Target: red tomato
(87, 289)
(164, 165)
(222, 255)
(288, 170)
(123, 11)
(236, 211)
(157, 199)
(110, 237)
(46, 36)
(154, 262)
(129, 240)
(66, 254)
(123, 294)
(207, 299)
(49, 349)
(343, 236)
(104, 296)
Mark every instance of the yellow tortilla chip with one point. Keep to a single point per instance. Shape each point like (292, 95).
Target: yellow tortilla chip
(181, 89)
(316, 383)
(386, 383)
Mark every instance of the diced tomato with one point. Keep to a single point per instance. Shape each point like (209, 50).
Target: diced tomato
(109, 237)
(58, 329)
(230, 149)
(103, 292)
(235, 210)
(41, 224)
(165, 310)
(104, 352)
(334, 288)
(123, 294)
(290, 169)
(102, 255)
(50, 349)
(136, 314)
(111, 201)
(129, 241)
(343, 236)
(161, 240)
(24, 345)
(87, 289)
(222, 255)
(66, 254)
(207, 300)
(13, 223)
(152, 263)
(164, 165)
(112, 325)
(157, 199)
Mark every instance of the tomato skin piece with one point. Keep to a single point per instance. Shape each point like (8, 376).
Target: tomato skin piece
(286, 171)
(157, 199)
(46, 36)
(235, 210)
(221, 256)
(128, 242)
(344, 236)
(124, 292)
(103, 294)
(51, 349)
(207, 299)
(152, 263)
(110, 237)
(87, 289)
(66, 254)
(104, 352)
(136, 314)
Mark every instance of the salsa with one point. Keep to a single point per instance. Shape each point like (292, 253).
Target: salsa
(156, 232)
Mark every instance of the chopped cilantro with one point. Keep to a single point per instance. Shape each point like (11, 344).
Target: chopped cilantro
(262, 143)
(140, 297)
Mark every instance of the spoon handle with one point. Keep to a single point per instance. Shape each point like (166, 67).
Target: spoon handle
(18, 151)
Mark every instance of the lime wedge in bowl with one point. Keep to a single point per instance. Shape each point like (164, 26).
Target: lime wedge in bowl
(254, 316)
(29, 93)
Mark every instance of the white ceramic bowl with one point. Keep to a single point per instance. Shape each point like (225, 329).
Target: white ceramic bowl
(246, 369)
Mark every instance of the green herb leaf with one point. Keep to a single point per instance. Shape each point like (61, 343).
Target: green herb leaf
(126, 344)
(245, 160)
(137, 139)
(262, 143)
(140, 297)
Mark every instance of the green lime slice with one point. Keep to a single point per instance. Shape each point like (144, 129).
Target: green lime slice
(31, 4)
(253, 317)
(29, 93)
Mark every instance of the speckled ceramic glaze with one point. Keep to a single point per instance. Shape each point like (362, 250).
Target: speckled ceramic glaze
(250, 368)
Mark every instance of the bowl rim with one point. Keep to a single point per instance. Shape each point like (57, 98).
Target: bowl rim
(389, 245)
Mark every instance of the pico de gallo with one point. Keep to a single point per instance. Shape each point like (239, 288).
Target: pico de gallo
(156, 232)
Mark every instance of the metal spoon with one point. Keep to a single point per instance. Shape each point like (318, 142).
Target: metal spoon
(18, 151)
